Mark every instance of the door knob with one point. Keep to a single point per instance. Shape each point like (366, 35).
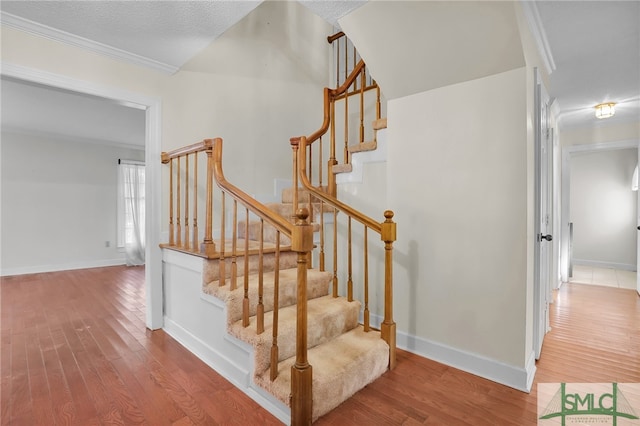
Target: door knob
(547, 237)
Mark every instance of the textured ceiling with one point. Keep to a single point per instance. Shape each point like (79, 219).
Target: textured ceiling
(169, 32)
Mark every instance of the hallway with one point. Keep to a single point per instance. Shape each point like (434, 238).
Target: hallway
(607, 277)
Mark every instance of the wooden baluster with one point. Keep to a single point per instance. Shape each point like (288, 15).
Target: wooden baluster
(362, 106)
(178, 227)
(335, 252)
(245, 300)
(234, 265)
(301, 371)
(310, 166)
(295, 143)
(349, 263)
(331, 177)
(378, 113)
(346, 128)
(346, 60)
(338, 64)
(355, 61)
(187, 242)
(171, 230)
(366, 281)
(310, 260)
(195, 242)
(388, 326)
(223, 231)
(260, 308)
(321, 255)
(208, 246)
(320, 163)
(276, 306)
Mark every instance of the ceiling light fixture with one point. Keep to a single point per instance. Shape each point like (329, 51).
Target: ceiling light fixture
(605, 110)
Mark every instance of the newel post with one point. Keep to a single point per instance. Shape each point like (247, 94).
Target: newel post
(301, 372)
(388, 326)
(208, 247)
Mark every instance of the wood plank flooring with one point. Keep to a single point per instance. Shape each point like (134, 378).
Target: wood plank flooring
(74, 350)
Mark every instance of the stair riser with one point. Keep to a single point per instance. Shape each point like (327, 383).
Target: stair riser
(326, 322)
(270, 233)
(212, 267)
(317, 286)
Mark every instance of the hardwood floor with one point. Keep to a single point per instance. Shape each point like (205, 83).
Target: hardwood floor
(74, 350)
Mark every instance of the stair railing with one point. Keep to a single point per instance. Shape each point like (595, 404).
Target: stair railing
(387, 232)
(352, 102)
(237, 241)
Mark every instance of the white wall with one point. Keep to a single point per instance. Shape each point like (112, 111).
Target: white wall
(603, 208)
(460, 191)
(58, 203)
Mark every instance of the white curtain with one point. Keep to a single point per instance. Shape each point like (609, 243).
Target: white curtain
(131, 212)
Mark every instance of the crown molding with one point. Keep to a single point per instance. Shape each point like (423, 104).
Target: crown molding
(84, 43)
(539, 35)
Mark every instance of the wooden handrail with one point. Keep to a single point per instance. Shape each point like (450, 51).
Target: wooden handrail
(330, 94)
(256, 207)
(334, 37)
(189, 149)
(327, 198)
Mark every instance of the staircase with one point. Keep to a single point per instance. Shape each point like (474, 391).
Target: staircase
(312, 344)
(344, 357)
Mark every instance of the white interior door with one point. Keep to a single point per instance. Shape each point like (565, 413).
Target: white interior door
(542, 282)
(638, 236)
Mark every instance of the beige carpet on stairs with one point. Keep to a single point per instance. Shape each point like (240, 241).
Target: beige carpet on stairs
(343, 357)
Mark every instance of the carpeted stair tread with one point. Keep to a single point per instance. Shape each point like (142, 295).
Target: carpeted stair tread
(211, 271)
(363, 147)
(341, 367)
(270, 232)
(328, 317)
(317, 286)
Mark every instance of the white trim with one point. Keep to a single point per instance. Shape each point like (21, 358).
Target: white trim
(84, 43)
(85, 264)
(565, 213)
(515, 377)
(152, 105)
(539, 35)
(608, 265)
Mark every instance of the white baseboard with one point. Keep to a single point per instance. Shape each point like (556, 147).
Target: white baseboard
(609, 265)
(38, 269)
(496, 371)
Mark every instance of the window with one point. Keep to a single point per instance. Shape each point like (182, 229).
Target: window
(131, 210)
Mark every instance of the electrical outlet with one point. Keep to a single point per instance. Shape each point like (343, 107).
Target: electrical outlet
(107, 243)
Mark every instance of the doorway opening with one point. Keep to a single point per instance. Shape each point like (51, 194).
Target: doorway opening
(601, 246)
(151, 106)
